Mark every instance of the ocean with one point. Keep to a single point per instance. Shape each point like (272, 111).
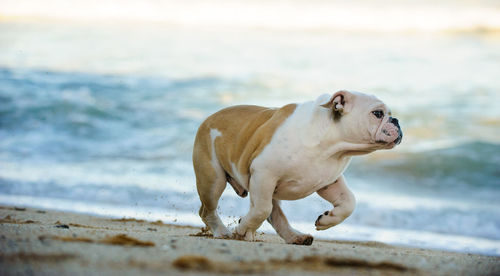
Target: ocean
(100, 102)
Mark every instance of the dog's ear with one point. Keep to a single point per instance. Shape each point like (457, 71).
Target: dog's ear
(339, 103)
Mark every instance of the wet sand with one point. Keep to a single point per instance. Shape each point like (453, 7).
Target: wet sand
(44, 242)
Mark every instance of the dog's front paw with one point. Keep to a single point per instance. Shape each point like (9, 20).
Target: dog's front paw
(244, 234)
(326, 220)
(320, 217)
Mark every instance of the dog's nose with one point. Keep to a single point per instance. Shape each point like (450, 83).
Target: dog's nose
(395, 122)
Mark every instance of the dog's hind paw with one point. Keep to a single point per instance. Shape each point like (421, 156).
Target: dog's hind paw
(303, 240)
(222, 232)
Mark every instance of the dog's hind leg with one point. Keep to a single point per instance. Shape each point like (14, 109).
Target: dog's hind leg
(279, 222)
(210, 183)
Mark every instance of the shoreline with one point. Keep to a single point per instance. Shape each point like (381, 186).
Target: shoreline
(46, 242)
(343, 232)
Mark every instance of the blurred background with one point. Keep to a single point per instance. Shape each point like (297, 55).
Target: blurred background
(100, 101)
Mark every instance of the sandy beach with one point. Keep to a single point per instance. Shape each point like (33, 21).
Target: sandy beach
(45, 242)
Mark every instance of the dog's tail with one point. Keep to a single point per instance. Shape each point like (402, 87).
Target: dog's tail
(236, 186)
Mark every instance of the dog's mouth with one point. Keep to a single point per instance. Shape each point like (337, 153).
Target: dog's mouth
(399, 139)
(387, 145)
(395, 142)
(384, 144)
(385, 135)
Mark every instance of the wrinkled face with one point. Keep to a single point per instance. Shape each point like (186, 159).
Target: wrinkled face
(368, 120)
(384, 129)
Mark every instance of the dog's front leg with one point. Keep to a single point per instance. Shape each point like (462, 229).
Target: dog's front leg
(343, 202)
(262, 187)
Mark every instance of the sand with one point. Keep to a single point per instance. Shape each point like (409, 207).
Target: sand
(44, 242)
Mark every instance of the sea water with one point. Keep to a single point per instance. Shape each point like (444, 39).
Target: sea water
(99, 107)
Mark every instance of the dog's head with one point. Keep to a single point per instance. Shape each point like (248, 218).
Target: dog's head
(364, 119)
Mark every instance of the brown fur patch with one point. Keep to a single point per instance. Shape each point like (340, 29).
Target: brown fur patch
(245, 129)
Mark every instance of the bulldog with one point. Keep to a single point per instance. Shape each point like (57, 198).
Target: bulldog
(287, 153)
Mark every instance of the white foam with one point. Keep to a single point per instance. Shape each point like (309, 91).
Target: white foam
(406, 202)
(75, 174)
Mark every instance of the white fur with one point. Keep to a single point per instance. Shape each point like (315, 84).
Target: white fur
(243, 181)
(214, 133)
(297, 154)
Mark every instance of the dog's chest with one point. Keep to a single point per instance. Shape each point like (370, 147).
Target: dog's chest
(300, 171)
(304, 177)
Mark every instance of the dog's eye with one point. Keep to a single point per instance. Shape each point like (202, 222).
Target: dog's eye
(378, 113)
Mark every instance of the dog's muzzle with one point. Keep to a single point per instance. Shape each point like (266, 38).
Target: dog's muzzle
(395, 122)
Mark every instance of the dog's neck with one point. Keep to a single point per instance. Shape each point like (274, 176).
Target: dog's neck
(332, 142)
